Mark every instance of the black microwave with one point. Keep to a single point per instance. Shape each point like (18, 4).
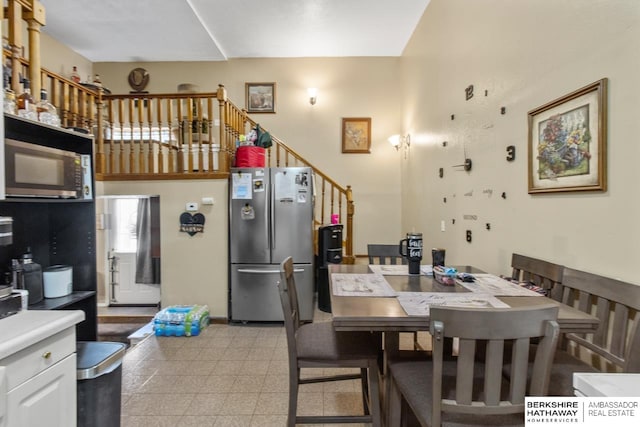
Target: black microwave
(33, 170)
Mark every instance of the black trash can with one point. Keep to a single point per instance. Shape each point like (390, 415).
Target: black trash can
(99, 374)
(329, 252)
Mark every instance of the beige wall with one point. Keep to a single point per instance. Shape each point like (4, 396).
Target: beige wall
(59, 59)
(193, 268)
(525, 54)
(347, 87)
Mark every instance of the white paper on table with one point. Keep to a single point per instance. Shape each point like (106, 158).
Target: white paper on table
(397, 269)
(418, 303)
(427, 269)
(497, 286)
(361, 285)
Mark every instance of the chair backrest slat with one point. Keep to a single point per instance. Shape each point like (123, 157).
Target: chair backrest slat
(518, 374)
(493, 372)
(464, 374)
(584, 302)
(602, 313)
(620, 329)
(289, 301)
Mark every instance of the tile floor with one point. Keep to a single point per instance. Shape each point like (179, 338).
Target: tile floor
(229, 375)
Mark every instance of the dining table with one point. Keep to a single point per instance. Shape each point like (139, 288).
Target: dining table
(386, 314)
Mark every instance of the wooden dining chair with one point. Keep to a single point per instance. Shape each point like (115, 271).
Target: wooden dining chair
(614, 346)
(539, 272)
(384, 254)
(461, 391)
(318, 345)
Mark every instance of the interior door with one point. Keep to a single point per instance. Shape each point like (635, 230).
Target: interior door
(126, 290)
(123, 244)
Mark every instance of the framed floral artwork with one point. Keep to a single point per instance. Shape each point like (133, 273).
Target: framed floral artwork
(356, 135)
(260, 97)
(568, 142)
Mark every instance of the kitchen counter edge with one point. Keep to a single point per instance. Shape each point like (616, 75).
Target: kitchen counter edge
(28, 327)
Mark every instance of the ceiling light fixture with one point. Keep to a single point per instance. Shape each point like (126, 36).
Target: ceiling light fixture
(313, 95)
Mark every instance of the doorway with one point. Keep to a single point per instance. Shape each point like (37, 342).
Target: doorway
(133, 250)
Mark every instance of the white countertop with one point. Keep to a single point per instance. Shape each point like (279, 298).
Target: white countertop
(28, 327)
(606, 385)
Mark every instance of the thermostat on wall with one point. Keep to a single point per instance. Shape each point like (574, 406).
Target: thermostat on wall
(192, 207)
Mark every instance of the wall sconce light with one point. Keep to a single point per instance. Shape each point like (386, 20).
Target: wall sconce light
(400, 141)
(313, 95)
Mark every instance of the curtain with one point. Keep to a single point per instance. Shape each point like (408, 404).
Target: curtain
(144, 263)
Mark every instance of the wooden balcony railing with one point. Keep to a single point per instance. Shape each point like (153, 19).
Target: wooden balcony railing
(160, 136)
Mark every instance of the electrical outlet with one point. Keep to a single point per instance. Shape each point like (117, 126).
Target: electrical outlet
(192, 207)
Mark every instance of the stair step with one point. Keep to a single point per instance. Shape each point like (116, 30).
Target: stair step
(128, 318)
(141, 334)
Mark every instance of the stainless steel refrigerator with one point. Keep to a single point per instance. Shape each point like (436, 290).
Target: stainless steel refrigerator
(270, 218)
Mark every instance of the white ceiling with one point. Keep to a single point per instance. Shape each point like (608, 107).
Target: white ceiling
(216, 30)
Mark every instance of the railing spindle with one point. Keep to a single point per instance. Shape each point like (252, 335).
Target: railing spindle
(121, 167)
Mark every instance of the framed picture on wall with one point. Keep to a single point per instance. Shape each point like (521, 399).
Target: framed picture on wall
(260, 97)
(568, 142)
(356, 135)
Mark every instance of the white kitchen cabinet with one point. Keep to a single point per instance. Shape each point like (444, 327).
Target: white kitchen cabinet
(38, 369)
(48, 399)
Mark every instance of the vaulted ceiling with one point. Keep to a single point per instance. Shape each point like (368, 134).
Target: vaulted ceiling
(217, 30)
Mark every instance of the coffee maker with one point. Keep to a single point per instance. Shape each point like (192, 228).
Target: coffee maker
(411, 249)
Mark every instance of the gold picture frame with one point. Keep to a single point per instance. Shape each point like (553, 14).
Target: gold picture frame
(568, 142)
(260, 97)
(356, 135)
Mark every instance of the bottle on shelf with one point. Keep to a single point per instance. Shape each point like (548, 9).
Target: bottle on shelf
(47, 113)
(97, 81)
(26, 105)
(9, 96)
(75, 77)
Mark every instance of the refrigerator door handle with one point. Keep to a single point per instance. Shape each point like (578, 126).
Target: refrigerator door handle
(272, 219)
(259, 271)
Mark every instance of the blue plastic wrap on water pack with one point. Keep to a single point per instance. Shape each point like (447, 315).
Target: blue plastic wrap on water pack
(181, 320)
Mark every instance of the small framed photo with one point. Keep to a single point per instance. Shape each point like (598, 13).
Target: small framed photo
(260, 97)
(568, 142)
(356, 135)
